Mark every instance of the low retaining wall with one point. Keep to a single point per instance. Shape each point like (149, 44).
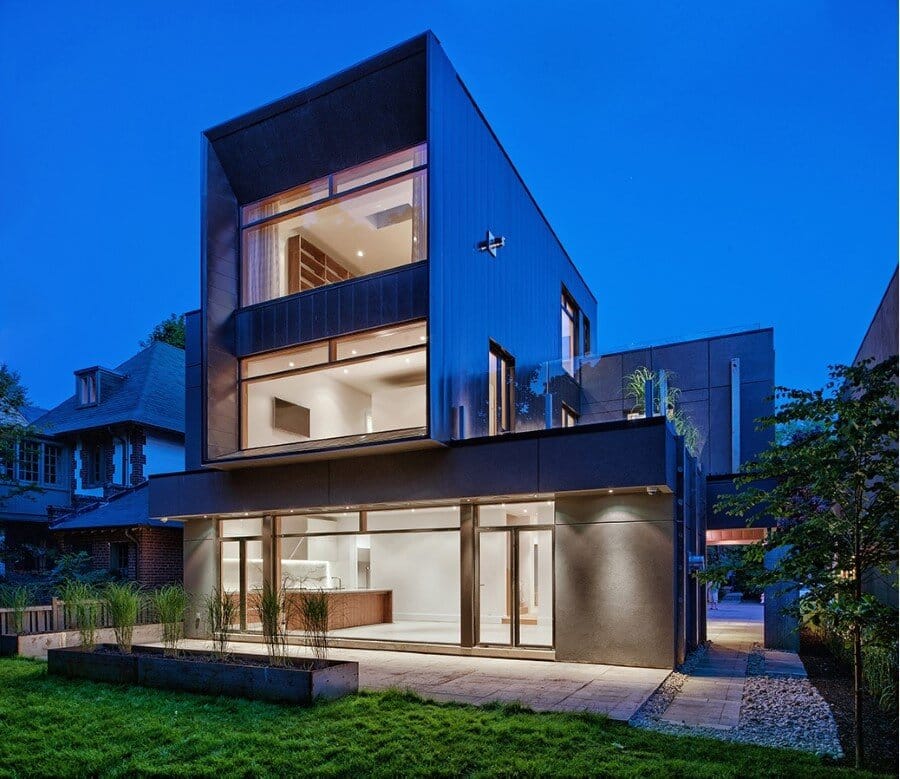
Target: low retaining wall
(150, 668)
(35, 645)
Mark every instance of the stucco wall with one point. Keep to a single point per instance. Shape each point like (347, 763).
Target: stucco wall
(615, 580)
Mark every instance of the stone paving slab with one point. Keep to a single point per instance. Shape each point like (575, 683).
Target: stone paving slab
(616, 691)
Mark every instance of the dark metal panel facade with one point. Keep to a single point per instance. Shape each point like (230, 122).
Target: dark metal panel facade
(513, 299)
(374, 114)
(394, 296)
(572, 459)
(701, 370)
(219, 289)
(193, 390)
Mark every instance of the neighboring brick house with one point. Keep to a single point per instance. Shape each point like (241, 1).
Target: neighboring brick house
(119, 536)
(120, 426)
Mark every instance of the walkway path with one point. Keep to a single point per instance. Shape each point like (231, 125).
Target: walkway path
(711, 695)
(540, 685)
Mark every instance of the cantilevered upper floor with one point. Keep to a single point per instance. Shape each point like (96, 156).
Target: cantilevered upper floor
(376, 273)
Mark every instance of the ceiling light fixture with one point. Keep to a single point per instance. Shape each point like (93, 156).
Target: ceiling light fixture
(346, 370)
(360, 253)
(290, 365)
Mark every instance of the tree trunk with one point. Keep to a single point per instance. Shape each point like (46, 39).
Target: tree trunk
(858, 695)
(857, 653)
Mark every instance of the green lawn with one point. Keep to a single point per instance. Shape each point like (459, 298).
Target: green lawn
(50, 726)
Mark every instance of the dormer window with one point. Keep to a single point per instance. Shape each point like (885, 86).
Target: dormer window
(87, 389)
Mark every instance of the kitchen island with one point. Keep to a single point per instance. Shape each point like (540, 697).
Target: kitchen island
(347, 608)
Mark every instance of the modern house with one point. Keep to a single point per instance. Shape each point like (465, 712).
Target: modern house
(92, 460)
(392, 393)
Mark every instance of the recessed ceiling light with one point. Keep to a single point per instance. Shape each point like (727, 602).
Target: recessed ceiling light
(290, 365)
(609, 491)
(421, 337)
(353, 351)
(346, 370)
(246, 514)
(407, 360)
(360, 253)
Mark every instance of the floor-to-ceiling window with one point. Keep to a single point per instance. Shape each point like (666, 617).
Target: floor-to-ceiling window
(390, 574)
(360, 221)
(241, 567)
(364, 385)
(515, 574)
(396, 574)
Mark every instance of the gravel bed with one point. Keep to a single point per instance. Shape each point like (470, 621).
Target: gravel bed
(657, 703)
(776, 711)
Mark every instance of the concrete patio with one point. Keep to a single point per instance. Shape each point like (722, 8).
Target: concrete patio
(615, 691)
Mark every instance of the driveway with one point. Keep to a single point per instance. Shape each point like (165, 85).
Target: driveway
(540, 685)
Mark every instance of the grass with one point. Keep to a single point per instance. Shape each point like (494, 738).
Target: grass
(57, 727)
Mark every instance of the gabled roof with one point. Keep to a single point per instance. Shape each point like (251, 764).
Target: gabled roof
(127, 509)
(24, 416)
(151, 393)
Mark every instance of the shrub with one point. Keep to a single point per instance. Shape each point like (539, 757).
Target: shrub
(221, 609)
(170, 603)
(271, 608)
(80, 601)
(123, 601)
(313, 611)
(17, 599)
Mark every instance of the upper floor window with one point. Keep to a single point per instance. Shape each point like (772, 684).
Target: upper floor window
(360, 221)
(29, 461)
(93, 458)
(87, 389)
(361, 386)
(501, 391)
(39, 463)
(569, 344)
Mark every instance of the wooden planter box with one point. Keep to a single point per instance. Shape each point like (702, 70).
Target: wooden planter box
(36, 645)
(295, 683)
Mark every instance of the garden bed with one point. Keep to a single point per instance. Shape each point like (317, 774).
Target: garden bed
(36, 645)
(299, 681)
(834, 681)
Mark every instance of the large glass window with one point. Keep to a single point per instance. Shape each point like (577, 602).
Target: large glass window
(373, 384)
(569, 319)
(400, 580)
(316, 234)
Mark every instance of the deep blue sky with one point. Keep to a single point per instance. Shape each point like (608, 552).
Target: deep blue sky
(707, 164)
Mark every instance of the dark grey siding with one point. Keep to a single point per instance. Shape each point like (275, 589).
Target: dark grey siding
(219, 289)
(193, 391)
(396, 295)
(365, 112)
(513, 299)
(575, 459)
(701, 371)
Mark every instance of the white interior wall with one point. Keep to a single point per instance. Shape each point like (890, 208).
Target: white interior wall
(335, 409)
(422, 570)
(395, 409)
